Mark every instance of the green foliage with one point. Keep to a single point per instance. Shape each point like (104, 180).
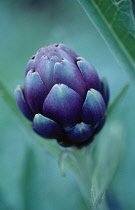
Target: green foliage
(117, 100)
(115, 22)
(30, 177)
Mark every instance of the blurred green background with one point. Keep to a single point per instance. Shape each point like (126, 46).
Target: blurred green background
(29, 174)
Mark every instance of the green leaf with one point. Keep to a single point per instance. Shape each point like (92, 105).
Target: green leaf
(117, 100)
(108, 155)
(115, 22)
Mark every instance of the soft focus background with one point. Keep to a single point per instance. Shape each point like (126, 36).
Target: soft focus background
(29, 174)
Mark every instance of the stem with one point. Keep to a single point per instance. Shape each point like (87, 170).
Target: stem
(83, 170)
(79, 161)
(84, 175)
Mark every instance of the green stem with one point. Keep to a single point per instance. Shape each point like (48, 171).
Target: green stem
(83, 171)
(84, 176)
(81, 168)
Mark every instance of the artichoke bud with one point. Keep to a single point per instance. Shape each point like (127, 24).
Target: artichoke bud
(63, 96)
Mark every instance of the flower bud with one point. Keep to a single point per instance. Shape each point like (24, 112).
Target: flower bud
(63, 96)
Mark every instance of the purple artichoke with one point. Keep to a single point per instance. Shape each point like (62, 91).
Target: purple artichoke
(63, 96)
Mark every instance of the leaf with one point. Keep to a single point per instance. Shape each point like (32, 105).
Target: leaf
(115, 22)
(109, 153)
(117, 100)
